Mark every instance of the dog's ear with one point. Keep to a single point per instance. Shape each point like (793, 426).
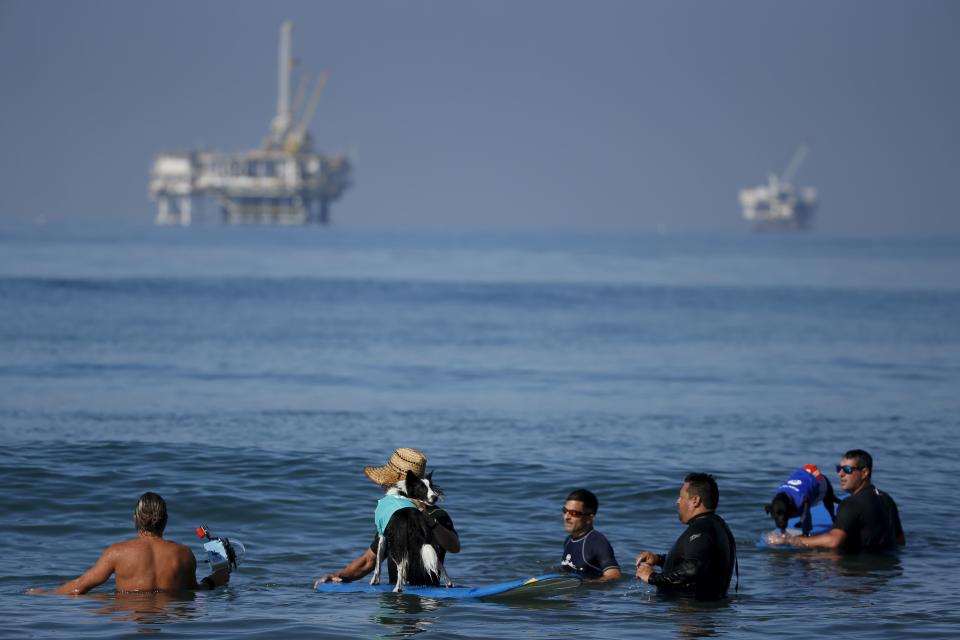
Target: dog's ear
(430, 475)
(411, 477)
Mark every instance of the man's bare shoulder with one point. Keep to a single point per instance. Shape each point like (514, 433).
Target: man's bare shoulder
(124, 547)
(148, 545)
(181, 551)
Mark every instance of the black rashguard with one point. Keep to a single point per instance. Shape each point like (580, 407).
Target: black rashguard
(701, 561)
(443, 520)
(871, 521)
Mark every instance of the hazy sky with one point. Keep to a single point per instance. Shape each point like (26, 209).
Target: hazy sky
(500, 113)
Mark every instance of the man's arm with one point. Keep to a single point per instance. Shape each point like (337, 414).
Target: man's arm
(684, 575)
(445, 537)
(694, 552)
(601, 555)
(216, 579)
(613, 573)
(96, 575)
(353, 571)
(830, 540)
(441, 527)
(645, 563)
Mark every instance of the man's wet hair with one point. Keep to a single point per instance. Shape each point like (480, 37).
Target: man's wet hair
(861, 457)
(150, 516)
(705, 486)
(590, 502)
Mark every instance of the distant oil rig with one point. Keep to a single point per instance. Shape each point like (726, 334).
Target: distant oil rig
(777, 205)
(283, 182)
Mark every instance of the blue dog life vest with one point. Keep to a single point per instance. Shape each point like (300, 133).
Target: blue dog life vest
(386, 507)
(806, 483)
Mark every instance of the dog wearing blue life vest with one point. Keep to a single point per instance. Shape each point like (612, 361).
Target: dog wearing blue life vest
(403, 531)
(803, 490)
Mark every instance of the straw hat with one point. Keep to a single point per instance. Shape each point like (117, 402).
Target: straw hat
(402, 460)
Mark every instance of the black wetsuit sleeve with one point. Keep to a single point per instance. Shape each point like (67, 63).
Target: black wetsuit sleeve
(695, 554)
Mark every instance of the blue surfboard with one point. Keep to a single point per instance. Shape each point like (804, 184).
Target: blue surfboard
(821, 524)
(544, 586)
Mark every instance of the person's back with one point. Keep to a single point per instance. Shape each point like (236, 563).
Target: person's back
(152, 564)
(146, 563)
(718, 570)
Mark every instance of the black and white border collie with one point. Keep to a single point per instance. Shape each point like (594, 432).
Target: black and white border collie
(406, 538)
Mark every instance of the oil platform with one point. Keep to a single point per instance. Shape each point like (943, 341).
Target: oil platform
(283, 182)
(777, 205)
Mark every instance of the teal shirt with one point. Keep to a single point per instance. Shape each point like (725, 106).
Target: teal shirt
(386, 507)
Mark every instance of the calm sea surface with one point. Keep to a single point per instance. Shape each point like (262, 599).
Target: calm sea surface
(248, 375)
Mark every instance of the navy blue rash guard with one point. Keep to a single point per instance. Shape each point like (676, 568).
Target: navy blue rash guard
(589, 556)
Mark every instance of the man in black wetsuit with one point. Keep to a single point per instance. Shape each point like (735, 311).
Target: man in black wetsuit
(702, 560)
(443, 536)
(586, 551)
(866, 521)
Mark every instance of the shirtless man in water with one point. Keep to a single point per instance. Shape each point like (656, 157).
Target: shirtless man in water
(148, 562)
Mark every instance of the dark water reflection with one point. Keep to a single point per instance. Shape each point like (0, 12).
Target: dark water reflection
(149, 611)
(833, 573)
(866, 574)
(696, 619)
(405, 615)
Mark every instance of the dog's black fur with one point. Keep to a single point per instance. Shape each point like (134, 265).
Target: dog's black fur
(406, 539)
(782, 508)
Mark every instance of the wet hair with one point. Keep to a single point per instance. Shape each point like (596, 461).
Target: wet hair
(862, 458)
(587, 498)
(150, 516)
(705, 486)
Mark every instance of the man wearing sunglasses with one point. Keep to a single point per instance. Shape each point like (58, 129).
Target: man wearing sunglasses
(866, 521)
(586, 550)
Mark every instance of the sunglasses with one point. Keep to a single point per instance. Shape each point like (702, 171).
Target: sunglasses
(847, 469)
(573, 513)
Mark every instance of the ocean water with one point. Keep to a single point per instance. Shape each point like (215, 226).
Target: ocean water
(248, 374)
